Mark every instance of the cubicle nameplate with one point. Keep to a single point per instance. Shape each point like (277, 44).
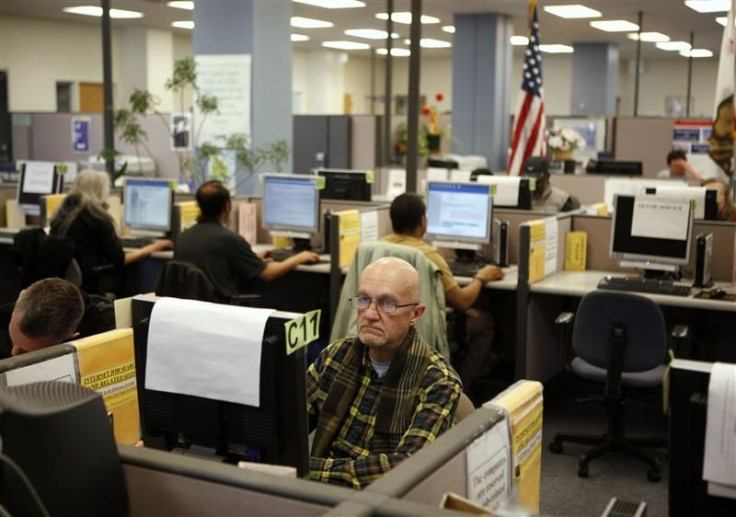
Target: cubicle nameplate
(302, 331)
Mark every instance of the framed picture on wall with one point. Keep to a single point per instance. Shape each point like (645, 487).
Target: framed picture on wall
(181, 125)
(676, 106)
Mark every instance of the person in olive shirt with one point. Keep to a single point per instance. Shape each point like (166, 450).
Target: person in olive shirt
(226, 257)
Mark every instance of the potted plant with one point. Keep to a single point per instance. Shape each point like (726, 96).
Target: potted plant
(563, 142)
(433, 131)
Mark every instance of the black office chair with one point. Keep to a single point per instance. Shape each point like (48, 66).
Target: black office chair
(619, 339)
(185, 280)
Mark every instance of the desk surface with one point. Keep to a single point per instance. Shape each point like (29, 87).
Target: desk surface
(579, 283)
(507, 283)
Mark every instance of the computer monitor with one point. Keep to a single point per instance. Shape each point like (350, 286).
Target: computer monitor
(291, 207)
(37, 179)
(148, 204)
(615, 167)
(275, 432)
(633, 187)
(459, 215)
(346, 185)
(705, 199)
(512, 192)
(651, 233)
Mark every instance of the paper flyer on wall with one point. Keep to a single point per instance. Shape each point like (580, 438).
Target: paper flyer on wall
(489, 467)
(349, 232)
(247, 222)
(62, 368)
(542, 248)
(107, 365)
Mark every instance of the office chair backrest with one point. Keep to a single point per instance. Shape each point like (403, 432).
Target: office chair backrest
(41, 256)
(641, 319)
(185, 280)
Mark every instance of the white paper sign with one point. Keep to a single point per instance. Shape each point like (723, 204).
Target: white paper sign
(227, 77)
(550, 237)
(396, 183)
(660, 218)
(507, 189)
(369, 226)
(247, 222)
(39, 177)
(57, 369)
(459, 175)
(719, 464)
(206, 350)
(436, 174)
(489, 467)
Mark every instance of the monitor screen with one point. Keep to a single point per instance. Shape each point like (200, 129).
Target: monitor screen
(37, 179)
(706, 200)
(290, 202)
(459, 212)
(651, 229)
(511, 191)
(347, 185)
(148, 204)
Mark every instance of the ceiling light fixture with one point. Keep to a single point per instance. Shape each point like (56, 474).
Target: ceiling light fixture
(396, 52)
(651, 37)
(572, 11)
(333, 4)
(181, 4)
(614, 26)
(709, 6)
(696, 52)
(184, 24)
(449, 28)
(310, 23)
(405, 18)
(93, 10)
(346, 45)
(434, 43)
(519, 41)
(721, 20)
(556, 49)
(299, 37)
(369, 34)
(673, 45)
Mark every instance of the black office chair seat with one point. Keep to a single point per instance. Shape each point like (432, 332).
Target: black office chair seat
(185, 280)
(646, 379)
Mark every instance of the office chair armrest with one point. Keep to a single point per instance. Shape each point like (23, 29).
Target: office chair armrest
(680, 332)
(681, 335)
(565, 319)
(564, 322)
(243, 299)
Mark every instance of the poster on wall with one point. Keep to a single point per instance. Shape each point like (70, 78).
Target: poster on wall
(181, 128)
(80, 134)
(692, 135)
(228, 78)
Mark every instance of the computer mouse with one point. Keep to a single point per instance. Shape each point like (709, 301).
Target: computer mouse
(717, 294)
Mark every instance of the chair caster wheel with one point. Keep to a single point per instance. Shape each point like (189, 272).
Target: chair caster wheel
(555, 447)
(654, 475)
(583, 471)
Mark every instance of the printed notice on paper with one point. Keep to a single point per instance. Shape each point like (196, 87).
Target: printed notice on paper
(489, 467)
(369, 226)
(719, 465)
(38, 178)
(247, 222)
(550, 242)
(57, 369)
(660, 218)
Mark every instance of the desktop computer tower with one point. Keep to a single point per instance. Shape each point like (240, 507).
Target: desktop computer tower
(500, 243)
(703, 260)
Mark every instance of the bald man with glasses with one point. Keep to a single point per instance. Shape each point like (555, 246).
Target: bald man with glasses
(376, 399)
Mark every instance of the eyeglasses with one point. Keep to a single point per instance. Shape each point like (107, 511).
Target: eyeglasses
(383, 305)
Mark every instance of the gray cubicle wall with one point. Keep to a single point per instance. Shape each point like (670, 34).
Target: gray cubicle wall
(330, 135)
(367, 142)
(644, 139)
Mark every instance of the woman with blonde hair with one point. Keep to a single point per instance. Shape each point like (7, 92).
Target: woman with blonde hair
(83, 218)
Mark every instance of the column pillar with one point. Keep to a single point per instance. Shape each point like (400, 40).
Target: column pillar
(594, 79)
(481, 65)
(147, 62)
(261, 29)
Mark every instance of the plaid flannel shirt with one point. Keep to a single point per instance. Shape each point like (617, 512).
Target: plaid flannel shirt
(373, 423)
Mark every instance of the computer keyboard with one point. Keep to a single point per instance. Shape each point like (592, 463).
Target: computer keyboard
(137, 242)
(469, 269)
(281, 254)
(643, 285)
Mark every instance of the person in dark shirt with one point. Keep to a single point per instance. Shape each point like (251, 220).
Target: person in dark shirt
(226, 257)
(83, 218)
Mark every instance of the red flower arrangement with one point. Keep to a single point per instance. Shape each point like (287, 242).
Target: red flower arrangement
(433, 127)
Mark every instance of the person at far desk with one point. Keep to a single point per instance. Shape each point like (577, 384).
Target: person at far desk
(226, 257)
(678, 167)
(409, 222)
(545, 197)
(83, 218)
(378, 398)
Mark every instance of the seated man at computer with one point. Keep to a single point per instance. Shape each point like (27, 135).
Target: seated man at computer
(47, 312)
(409, 222)
(224, 256)
(678, 167)
(545, 197)
(378, 398)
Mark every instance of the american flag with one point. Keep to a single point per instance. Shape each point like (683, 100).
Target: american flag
(528, 134)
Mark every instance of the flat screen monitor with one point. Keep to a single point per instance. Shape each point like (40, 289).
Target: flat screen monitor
(705, 199)
(512, 192)
(275, 432)
(650, 232)
(37, 179)
(290, 203)
(345, 185)
(148, 204)
(615, 167)
(633, 187)
(459, 214)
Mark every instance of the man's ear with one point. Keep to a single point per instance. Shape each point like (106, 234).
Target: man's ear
(418, 311)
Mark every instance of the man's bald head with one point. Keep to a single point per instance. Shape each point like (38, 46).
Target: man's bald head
(398, 272)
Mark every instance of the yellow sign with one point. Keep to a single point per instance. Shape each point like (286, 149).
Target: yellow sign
(369, 176)
(349, 235)
(302, 331)
(575, 251)
(320, 182)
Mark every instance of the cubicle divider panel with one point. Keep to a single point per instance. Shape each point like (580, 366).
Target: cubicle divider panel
(366, 143)
(51, 137)
(598, 230)
(515, 218)
(644, 139)
(7, 192)
(588, 188)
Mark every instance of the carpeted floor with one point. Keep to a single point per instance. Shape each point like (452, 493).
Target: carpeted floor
(563, 493)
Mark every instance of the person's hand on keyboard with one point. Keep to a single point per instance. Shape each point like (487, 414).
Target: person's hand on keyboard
(307, 257)
(489, 273)
(162, 244)
(265, 256)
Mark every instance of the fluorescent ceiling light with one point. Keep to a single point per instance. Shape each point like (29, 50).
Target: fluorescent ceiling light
(651, 37)
(299, 37)
(346, 45)
(333, 4)
(181, 4)
(614, 26)
(556, 49)
(572, 11)
(697, 52)
(519, 41)
(184, 24)
(309, 23)
(93, 10)
(709, 6)
(722, 20)
(405, 18)
(369, 34)
(396, 52)
(673, 45)
(449, 28)
(434, 43)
